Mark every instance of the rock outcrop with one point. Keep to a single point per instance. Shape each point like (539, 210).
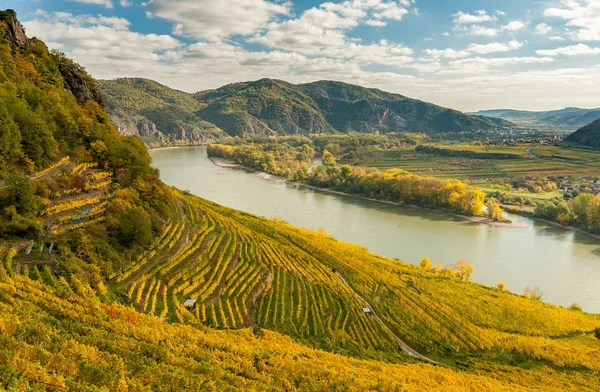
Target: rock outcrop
(75, 78)
(76, 82)
(14, 31)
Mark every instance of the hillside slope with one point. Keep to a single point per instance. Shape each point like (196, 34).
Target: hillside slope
(568, 118)
(157, 114)
(588, 135)
(277, 107)
(98, 256)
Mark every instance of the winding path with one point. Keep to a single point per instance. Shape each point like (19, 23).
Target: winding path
(405, 347)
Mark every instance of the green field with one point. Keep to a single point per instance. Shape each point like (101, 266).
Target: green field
(554, 161)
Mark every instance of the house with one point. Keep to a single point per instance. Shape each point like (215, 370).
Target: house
(367, 311)
(190, 304)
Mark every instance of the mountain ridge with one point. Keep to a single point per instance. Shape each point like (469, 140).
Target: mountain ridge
(275, 107)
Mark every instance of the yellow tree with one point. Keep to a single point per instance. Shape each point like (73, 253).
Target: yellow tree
(426, 263)
(494, 211)
(463, 270)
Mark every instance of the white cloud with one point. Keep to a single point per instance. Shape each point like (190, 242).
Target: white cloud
(446, 53)
(480, 16)
(477, 30)
(542, 29)
(446, 34)
(391, 11)
(556, 38)
(583, 17)
(319, 46)
(573, 50)
(323, 31)
(500, 13)
(495, 47)
(102, 37)
(514, 25)
(105, 3)
(481, 65)
(376, 23)
(126, 3)
(213, 20)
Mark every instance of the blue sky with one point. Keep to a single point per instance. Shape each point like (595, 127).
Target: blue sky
(468, 55)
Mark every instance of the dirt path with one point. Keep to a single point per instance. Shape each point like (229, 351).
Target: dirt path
(405, 347)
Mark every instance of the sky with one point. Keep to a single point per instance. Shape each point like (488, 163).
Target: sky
(464, 54)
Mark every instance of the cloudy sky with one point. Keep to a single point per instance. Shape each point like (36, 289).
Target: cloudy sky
(464, 54)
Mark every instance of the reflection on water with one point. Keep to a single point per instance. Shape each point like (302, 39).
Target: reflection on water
(564, 264)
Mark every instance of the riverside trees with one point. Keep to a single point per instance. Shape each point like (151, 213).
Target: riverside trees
(279, 157)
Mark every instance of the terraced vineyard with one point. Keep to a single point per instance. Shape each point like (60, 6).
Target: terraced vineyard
(242, 278)
(245, 271)
(59, 335)
(81, 205)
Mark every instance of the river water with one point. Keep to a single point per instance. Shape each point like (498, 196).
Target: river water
(564, 264)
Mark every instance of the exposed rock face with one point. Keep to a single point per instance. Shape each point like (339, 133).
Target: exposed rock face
(74, 77)
(76, 83)
(15, 31)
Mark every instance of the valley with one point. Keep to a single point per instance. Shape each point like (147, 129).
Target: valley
(123, 269)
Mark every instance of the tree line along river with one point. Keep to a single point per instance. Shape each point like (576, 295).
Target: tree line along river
(565, 265)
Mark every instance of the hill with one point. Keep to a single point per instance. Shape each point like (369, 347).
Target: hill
(588, 135)
(568, 118)
(277, 107)
(157, 114)
(98, 256)
(160, 115)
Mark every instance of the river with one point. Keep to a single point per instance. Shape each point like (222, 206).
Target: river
(564, 264)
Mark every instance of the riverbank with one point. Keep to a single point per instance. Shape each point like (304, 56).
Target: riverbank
(517, 211)
(477, 219)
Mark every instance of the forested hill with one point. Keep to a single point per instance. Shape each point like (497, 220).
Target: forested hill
(158, 114)
(587, 136)
(98, 258)
(278, 107)
(274, 107)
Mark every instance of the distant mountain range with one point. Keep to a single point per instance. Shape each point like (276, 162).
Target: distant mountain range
(587, 136)
(275, 107)
(568, 118)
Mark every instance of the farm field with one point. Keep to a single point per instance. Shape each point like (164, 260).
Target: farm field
(554, 161)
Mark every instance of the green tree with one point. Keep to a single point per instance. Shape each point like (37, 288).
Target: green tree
(135, 228)
(10, 140)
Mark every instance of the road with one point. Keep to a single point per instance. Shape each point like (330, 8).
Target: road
(531, 154)
(405, 347)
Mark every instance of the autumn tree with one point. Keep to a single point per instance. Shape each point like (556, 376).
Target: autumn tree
(494, 211)
(533, 293)
(463, 270)
(426, 263)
